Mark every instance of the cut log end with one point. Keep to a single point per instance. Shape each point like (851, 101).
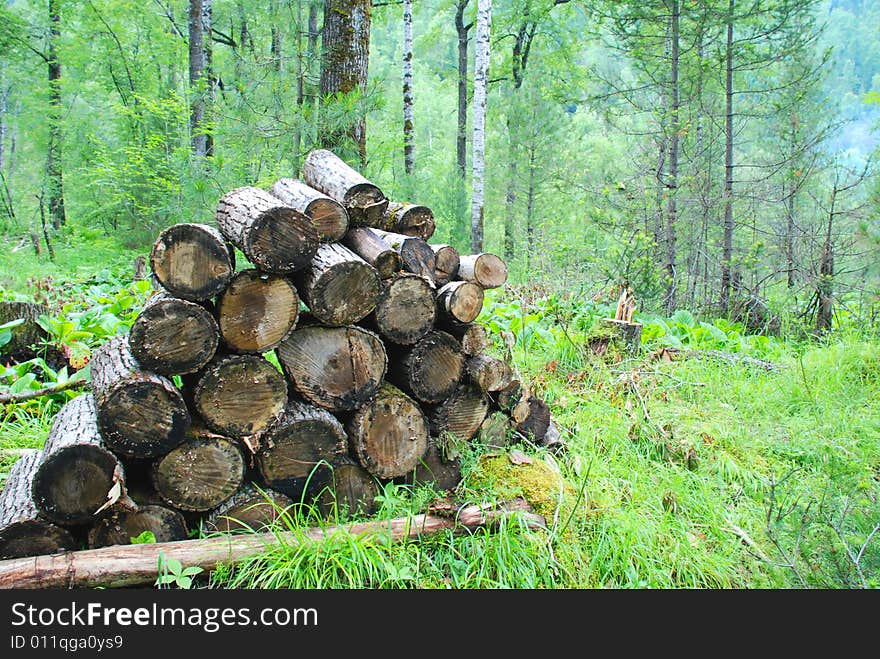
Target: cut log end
(431, 369)
(486, 270)
(164, 523)
(248, 510)
(192, 261)
(405, 311)
(340, 288)
(460, 301)
(447, 260)
(281, 241)
(73, 483)
(460, 415)
(257, 311)
(350, 491)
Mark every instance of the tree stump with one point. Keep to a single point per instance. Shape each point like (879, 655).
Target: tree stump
(257, 311)
(28, 335)
(628, 334)
(328, 215)
(192, 261)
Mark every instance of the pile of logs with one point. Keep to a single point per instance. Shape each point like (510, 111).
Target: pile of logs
(344, 355)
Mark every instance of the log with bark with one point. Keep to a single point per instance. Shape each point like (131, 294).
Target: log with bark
(273, 236)
(173, 336)
(431, 369)
(166, 525)
(531, 416)
(367, 244)
(140, 413)
(327, 172)
(239, 395)
(257, 311)
(339, 287)
(446, 263)
(461, 414)
(77, 477)
(627, 333)
(328, 215)
(250, 509)
(23, 530)
(135, 565)
(486, 270)
(27, 335)
(192, 261)
(409, 219)
(337, 368)
(405, 309)
(201, 473)
(488, 373)
(388, 435)
(300, 449)
(416, 255)
(459, 302)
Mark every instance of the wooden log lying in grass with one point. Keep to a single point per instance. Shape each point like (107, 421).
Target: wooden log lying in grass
(461, 414)
(140, 414)
(351, 489)
(166, 525)
(249, 509)
(328, 215)
(405, 309)
(134, 565)
(409, 220)
(257, 311)
(338, 286)
(23, 531)
(239, 395)
(367, 244)
(76, 473)
(531, 417)
(389, 435)
(327, 172)
(459, 302)
(173, 336)
(485, 270)
(446, 263)
(274, 237)
(416, 255)
(337, 368)
(431, 369)
(192, 261)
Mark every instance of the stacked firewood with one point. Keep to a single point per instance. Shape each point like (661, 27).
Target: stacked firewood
(343, 356)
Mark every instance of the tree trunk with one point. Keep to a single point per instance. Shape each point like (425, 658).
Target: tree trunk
(337, 368)
(389, 435)
(250, 509)
(416, 255)
(367, 244)
(328, 215)
(446, 263)
(200, 76)
(274, 237)
(488, 373)
(405, 311)
(461, 414)
(408, 115)
(346, 41)
(481, 76)
(201, 473)
(669, 264)
(192, 261)
(325, 171)
(461, 31)
(727, 224)
(485, 270)
(54, 174)
(239, 395)
(339, 287)
(166, 524)
(140, 414)
(431, 369)
(409, 219)
(257, 311)
(171, 336)
(23, 530)
(76, 473)
(459, 302)
(300, 449)
(352, 490)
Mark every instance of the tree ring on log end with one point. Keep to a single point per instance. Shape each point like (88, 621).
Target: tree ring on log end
(173, 336)
(192, 261)
(167, 525)
(345, 293)
(257, 311)
(281, 240)
(34, 538)
(72, 483)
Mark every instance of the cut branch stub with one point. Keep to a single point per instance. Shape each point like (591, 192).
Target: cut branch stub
(409, 219)
(460, 415)
(140, 414)
(328, 215)
(249, 509)
(389, 435)
(337, 368)
(459, 302)
(367, 244)
(257, 311)
(416, 255)
(327, 172)
(239, 395)
(23, 531)
(76, 473)
(192, 261)
(405, 311)
(339, 287)
(172, 336)
(201, 473)
(274, 237)
(431, 369)
(166, 525)
(485, 270)
(446, 264)
(301, 448)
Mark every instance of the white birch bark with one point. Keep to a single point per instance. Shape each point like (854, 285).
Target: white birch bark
(481, 74)
(408, 114)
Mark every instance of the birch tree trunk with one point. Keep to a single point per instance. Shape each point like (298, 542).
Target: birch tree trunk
(200, 78)
(408, 116)
(481, 73)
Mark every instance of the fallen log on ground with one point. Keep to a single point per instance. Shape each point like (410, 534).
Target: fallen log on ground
(137, 565)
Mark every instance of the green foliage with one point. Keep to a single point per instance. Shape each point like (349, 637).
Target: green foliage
(144, 538)
(172, 572)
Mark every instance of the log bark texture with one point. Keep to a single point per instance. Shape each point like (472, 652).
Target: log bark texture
(629, 334)
(140, 414)
(172, 336)
(165, 523)
(135, 565)
(76, 472)
(27, 336)
(431, 369)
(257, 311)
(486, 270)
(416, 255)
(23, 530)
(409, 219)
(337, 368)
(405, 309)
(239, 395)
(249, 509)
(328, 215)
(351, 490)
(339, 287)
(459, 302)
(367, 244)
(364, 201)
(192, 261)
(389, 435)
(446, 263)
(531, 417)
(461, 414)
(274, 237)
